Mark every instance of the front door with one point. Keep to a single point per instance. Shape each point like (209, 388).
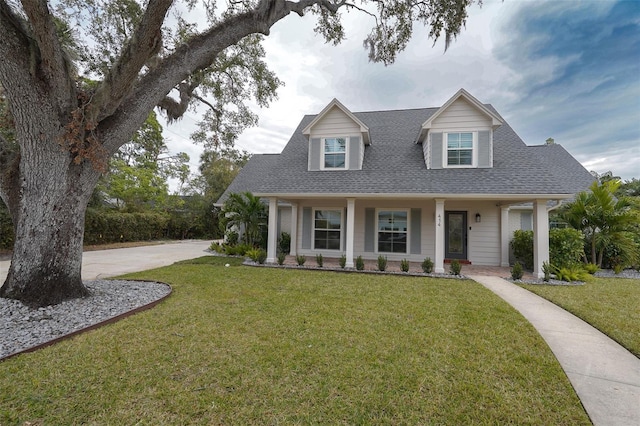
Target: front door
(456, 235)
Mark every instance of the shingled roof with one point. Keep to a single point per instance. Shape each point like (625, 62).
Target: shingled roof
(394, 164)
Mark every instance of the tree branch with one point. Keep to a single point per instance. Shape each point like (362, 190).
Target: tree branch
(53, 63)
(15, 47)
(195, 55)
(145, 42)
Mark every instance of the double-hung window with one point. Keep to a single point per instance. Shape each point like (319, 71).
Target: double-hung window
(460, 149)
(392, 231)
(335, 153)
(327, 229)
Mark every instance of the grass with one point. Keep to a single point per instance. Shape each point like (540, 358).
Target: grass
(241, 345)
(609, 304)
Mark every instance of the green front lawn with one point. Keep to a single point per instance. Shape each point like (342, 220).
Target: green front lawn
(612, 305)
(242, 345)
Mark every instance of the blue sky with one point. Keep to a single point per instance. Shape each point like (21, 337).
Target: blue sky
(569, 70)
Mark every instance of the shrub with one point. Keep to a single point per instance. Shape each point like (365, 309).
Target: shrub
(382, 263)
(522, 245)
(571, 273)
(300, 259)
(359, 263)
(566, 246)
(281, 258)
(217, 247)
(618, 268)
(231, 237)
(591, 268)
(456, 267)
(546, 269)
(284, 242)
(257, 255)
(237, 250)
(427, 265)
(319, 259)
(517, 272)
(404, 265)
(343, 261)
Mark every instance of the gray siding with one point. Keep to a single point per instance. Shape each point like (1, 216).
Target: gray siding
(306, 227)
(369, 231)
(315, 150)
(416, 231)
(354, 153)
(484, 149)
(436, 150)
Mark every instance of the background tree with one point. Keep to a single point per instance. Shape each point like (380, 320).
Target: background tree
(247, 213)
(66, 130)
(137, 176)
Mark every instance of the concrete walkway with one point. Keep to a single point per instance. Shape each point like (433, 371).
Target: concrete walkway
(108, 263)
(606, 376)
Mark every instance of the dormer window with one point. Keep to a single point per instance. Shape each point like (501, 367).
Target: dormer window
(460, 149)
(335, 153)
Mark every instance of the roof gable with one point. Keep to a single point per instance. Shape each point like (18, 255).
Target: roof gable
(494, 118)
(364, 129)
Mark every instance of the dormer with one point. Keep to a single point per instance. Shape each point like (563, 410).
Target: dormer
(459, 134)
(336, 139)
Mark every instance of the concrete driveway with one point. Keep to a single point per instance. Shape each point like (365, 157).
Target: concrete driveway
(108, 263)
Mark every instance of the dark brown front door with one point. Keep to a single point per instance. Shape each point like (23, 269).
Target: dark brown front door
(455, 235)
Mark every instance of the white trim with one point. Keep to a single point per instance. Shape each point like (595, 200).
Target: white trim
(445, 150)
(347, 140)
(313, 227)
(377, 230)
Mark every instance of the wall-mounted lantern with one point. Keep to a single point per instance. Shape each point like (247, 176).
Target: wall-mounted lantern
(478, 218)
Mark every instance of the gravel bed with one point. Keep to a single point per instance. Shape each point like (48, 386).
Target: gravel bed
(22, 327)
(627, 273)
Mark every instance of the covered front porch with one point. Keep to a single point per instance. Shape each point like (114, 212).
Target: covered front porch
(475, 231)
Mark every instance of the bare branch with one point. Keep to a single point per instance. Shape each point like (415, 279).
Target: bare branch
(53, 63)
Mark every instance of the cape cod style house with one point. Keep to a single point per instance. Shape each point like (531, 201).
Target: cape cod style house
(445, 183)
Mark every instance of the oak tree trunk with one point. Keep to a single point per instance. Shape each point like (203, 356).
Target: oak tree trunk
(49, 224)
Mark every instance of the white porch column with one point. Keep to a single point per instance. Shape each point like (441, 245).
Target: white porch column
(351, 220)
(504, 236)
(540, 236)
(440, 235)
(273, 230)
(293, 250)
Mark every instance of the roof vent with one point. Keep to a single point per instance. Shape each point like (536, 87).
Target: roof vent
(550, 141)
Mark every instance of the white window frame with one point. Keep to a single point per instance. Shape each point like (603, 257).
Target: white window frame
(313, 227)
(445, 151)
(346, 153)
(377, 230)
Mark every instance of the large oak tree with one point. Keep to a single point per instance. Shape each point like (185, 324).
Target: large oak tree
(142, 55)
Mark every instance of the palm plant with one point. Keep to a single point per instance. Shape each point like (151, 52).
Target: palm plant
(246, 212)
(605, 220)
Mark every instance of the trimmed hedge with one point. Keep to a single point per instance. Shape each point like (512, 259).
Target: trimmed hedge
(103, 227)
(6, 228)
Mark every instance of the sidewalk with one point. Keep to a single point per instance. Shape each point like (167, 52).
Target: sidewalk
(108, 263)
(606, 376)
